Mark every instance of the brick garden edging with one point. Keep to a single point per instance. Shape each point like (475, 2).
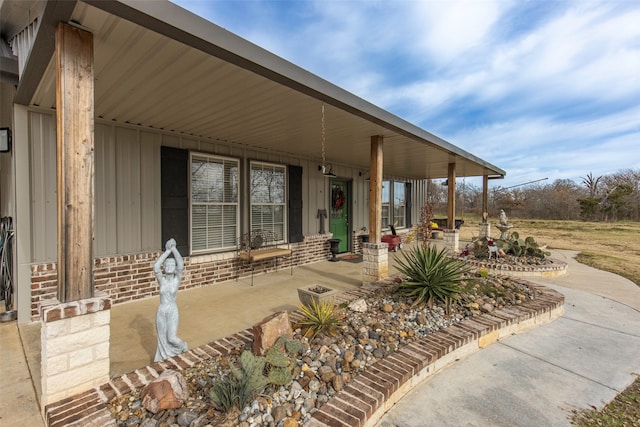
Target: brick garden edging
(368, 396)
(556, 268)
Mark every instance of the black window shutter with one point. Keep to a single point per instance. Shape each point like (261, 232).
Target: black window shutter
(174, 181)
(409, 203)
(295, 204)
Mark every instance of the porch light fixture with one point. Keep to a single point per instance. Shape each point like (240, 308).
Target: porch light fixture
(327, 170)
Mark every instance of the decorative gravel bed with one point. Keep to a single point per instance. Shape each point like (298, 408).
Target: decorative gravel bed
(327, 363)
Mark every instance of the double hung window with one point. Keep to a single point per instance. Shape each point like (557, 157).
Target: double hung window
(214, 202)
(386, 204)
(394, 204)
(268, 198)
(399, 204)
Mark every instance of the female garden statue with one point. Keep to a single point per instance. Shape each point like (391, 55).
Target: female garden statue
(169, 344)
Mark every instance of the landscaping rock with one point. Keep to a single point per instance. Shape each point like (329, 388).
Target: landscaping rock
(359, 306)
(266, 333)
(168, 391)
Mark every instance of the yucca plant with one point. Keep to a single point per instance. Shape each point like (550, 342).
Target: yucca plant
(320, 317)
(432, 275)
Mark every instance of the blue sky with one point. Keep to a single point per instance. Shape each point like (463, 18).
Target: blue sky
(540, 88)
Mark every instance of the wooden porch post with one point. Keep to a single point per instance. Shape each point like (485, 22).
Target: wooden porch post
(74, 114)
(484, 228)
(375, 253)
(375, 189)
(485, 198)
(451, 197)
(79, 321)
(451, 235)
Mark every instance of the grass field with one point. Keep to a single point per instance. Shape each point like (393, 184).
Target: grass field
(613, 247)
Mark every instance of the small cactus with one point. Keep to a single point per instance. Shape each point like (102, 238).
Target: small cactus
(279, 375)
(275, 356)
(293, 346)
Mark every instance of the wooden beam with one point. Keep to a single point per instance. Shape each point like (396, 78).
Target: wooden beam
(75, 146)
(485, 198)
(451, 197)
(375, 190)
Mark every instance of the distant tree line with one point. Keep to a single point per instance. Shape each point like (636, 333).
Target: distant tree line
(604, 198)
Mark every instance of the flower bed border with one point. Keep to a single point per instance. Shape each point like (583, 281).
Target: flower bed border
(368, 396)
(557, 268)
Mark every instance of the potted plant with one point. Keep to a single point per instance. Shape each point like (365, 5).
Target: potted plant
(317, 293)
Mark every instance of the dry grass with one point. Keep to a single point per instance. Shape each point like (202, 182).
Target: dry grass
(613, 247)
(623, 411)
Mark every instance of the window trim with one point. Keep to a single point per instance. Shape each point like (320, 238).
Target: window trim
(285, 222)
(391, 204)
(403, 184)
(237, 203)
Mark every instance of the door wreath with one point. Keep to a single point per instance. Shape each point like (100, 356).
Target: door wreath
(337, 198)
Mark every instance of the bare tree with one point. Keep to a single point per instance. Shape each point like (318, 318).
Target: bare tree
(592, 184)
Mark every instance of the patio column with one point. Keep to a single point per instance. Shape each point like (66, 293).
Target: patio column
(451, 235)
(75, 327)
(484, 229)
(375, 253)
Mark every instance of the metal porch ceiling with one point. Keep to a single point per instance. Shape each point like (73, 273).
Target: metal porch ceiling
(159, 66)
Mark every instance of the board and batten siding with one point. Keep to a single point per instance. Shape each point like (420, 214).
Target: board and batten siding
(127, 191)
(128, 194)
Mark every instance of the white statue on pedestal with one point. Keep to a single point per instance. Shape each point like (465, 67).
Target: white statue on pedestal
(169, 344)
(503, 218)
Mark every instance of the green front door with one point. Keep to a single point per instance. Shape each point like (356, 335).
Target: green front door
(339, 211)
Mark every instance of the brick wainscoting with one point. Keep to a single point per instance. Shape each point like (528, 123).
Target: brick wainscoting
(130, 277)
(367, 397)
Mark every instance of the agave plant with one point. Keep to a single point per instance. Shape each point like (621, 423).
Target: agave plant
(432, 275)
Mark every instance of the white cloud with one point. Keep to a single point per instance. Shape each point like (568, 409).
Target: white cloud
(449, 29)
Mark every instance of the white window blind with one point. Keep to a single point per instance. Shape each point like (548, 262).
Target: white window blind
(268, 198)
(214, 202)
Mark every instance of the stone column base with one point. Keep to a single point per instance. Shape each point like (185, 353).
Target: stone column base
(375, 258)
(75, 347)
(484, 230)
(452, 240)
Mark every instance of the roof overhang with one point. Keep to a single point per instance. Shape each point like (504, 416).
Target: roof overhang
(160, 66)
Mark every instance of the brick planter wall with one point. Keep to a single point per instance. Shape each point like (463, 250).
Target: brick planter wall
(130, 277)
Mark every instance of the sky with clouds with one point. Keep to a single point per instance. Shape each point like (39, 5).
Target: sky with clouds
(539, 88)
